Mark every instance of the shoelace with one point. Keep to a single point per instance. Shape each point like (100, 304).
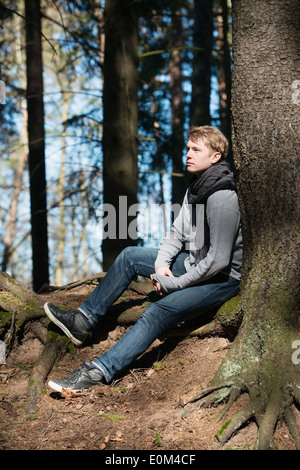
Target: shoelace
(74, 375)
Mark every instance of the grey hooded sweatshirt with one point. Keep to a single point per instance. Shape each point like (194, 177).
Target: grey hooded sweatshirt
(214, 239)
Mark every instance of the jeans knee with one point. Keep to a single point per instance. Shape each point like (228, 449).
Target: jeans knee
(152, 316)
(129, 250)
(130, 254)
(147, 314)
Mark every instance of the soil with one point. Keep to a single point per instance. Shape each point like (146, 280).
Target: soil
(141, 410)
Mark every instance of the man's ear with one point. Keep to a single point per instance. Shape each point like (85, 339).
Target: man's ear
(216, 157)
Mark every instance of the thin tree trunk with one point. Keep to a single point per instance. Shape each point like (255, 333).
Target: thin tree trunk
(177, 106)
(203, 39)
(159, 161)
(17, 184)
(36, 143)
(61, 199)
(19, 172)
(224, 73)
(120, 123)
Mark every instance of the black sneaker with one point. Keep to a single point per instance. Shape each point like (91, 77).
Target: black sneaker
(81, 378)
(73, 324)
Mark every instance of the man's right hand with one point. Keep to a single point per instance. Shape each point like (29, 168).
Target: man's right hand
(164, 271)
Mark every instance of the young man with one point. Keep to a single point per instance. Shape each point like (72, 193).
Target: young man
(189, 284)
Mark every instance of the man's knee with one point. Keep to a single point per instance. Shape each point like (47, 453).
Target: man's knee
(153, 315)
(131, 253)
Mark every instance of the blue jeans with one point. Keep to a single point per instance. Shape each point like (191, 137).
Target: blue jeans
(184, 304)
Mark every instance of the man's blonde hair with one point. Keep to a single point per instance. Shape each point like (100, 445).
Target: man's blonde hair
(212, 137)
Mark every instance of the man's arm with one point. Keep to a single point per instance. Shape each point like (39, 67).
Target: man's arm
(175, 238)
(223, 219)
(171, 245)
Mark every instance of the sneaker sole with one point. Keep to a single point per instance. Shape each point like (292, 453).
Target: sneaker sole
(55, 386)
(59, 388)
(61, 326)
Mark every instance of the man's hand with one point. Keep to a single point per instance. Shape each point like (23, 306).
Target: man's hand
(163, 271)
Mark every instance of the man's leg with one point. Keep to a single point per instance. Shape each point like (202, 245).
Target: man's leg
(131, 262)
(159, 316)
(177, 306)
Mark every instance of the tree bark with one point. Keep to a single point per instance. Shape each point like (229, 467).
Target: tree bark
(224, 73)
(16, 298)
(36, 143)
(177, 106)
(23, 153)
(17, 184)
(120, 121)
(203, 39)
(265, 136)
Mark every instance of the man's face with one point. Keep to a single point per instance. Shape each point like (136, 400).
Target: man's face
(199, 157)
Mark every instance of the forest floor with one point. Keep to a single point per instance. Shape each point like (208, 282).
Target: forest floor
(141, 410)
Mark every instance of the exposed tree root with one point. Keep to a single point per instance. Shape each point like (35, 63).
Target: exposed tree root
(262, 364)
(39, 374)
(23, 307)
(266, 411)
(292, 425)
(17, 298)
(87, 280)
(19, 306)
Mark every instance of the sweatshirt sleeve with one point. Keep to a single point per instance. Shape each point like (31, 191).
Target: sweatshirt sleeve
(223, 219)
(176, 237)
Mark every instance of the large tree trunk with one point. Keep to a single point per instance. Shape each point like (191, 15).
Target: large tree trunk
(36, 143)
(262, 360)
(120, 121)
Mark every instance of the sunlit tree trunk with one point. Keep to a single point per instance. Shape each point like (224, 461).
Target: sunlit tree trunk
(17, 188)
(22, 151)
(61, 199)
